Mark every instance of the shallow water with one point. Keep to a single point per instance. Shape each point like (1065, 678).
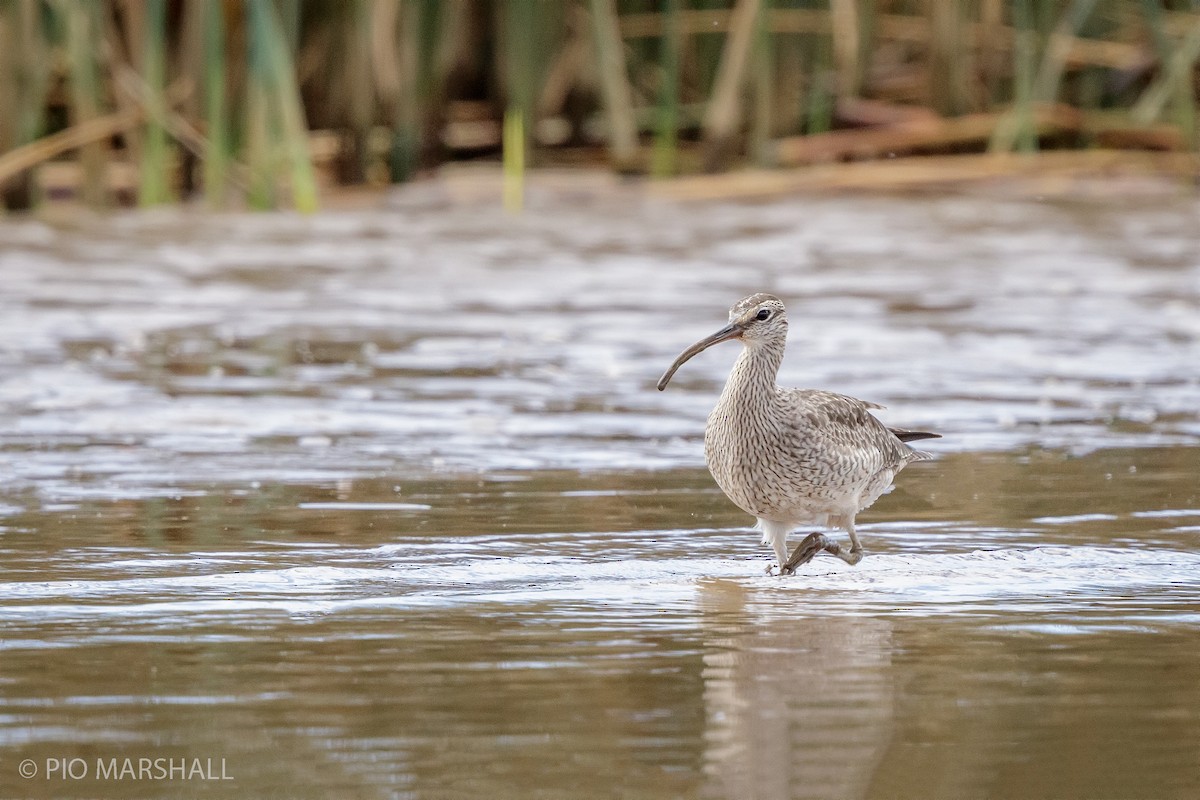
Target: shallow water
(384, 504)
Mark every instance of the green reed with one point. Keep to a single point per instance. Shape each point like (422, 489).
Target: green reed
(276, 111)
(155, 169)
(216, 107)
(518, 19)
(25, 42)
(666, 132)
(83, 26)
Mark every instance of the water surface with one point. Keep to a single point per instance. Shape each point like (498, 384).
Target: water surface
(384, 503)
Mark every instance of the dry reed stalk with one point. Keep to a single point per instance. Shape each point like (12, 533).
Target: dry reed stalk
(928, 134)
(847, 45)
(19, 160)
(120, 123)
(951, 61)
(724, 107)
(987, 37)
(122, 50)
(566, 69)
(614, 85)
(1040, 173)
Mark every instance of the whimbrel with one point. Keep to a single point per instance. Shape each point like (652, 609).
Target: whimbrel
(794, 457)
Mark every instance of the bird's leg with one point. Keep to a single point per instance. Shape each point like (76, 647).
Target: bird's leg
(780, 547)
(775, 534)
(856, 549)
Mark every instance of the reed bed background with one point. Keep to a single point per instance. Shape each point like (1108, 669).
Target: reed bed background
(259, 102)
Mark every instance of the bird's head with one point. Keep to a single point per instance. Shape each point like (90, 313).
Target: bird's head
(757, 319)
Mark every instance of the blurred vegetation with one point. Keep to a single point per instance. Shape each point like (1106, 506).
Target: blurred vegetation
(258, 102)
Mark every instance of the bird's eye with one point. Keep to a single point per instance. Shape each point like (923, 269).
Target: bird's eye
(763, 314)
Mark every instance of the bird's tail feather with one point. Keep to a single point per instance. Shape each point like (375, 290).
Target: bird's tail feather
(913, 436)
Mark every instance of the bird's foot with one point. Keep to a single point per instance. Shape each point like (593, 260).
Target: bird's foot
(804, 552)
(852, 557)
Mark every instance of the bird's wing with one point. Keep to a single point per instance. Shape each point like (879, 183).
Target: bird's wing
(836, 422)
(830, 410)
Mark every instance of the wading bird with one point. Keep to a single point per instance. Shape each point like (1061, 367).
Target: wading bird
(794, 457)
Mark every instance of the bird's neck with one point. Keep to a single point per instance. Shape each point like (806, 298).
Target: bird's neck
(754, 372)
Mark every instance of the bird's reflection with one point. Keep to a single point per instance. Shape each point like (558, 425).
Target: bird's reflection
(795, 706)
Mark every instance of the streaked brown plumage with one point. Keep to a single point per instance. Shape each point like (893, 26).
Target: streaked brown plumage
(794, 457)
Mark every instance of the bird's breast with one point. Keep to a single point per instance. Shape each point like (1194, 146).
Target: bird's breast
(745, 453)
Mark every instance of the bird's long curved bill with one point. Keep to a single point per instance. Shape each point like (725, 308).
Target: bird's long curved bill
(725, 334)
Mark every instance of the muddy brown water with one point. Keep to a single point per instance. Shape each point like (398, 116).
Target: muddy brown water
(384, 504)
